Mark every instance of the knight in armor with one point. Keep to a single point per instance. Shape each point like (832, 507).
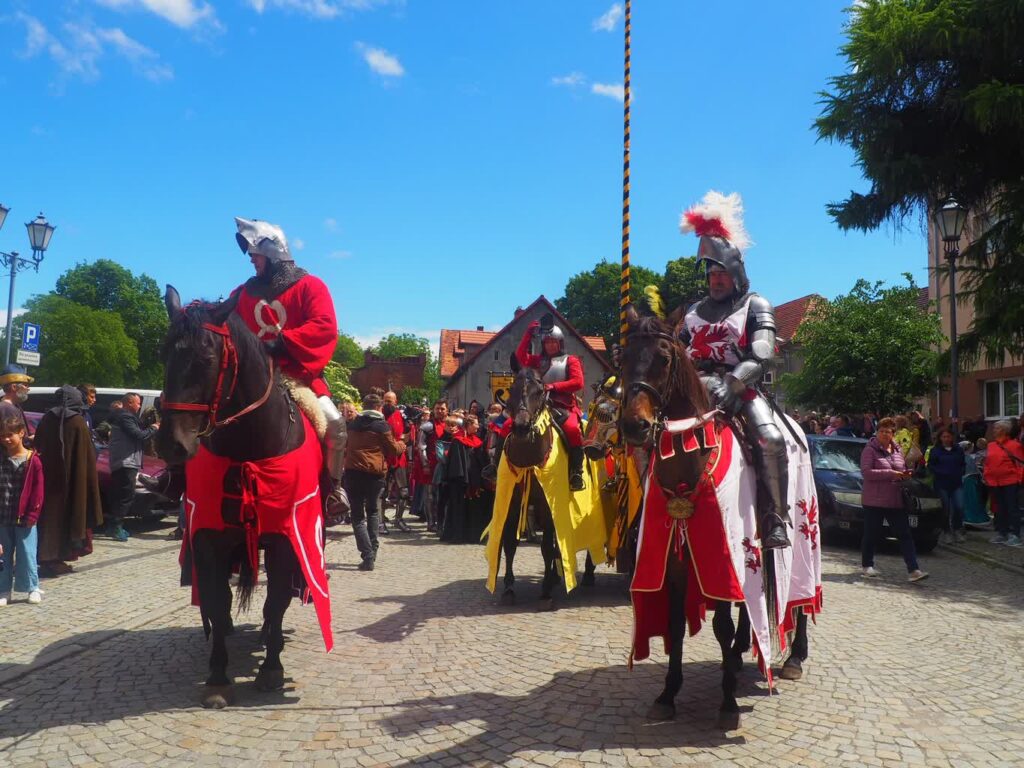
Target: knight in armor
(292, 313)
(730, 336)
(563, 378)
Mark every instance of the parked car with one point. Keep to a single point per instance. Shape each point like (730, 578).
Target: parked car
(146, 505)
(837, 478)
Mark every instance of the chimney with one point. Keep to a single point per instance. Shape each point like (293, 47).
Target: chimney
(519, 311)
(479, 327)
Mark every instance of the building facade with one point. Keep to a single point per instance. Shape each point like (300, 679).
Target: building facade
(389, 375)
(473, 360)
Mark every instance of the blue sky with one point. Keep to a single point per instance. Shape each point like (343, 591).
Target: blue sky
(436, 163)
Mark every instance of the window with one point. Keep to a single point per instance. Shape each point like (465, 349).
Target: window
(1002, 398)
(497, 354)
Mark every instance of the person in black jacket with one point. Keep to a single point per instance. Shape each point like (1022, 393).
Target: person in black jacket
(127, 440)
(947, 463)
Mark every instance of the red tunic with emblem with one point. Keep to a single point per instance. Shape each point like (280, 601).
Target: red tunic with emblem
(303, 316)
(397, 424)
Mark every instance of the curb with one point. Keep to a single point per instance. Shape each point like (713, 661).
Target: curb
(995, 562)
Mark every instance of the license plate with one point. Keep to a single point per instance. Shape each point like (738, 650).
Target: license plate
(912, 518)
(844, 524)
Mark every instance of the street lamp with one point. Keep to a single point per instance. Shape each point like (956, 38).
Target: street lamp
(950, 219)
(39, 233)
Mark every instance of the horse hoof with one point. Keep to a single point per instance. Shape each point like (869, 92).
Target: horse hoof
(508, 597)
(588, 580)
(217, 696)
(728, 721)
(269, 680)
(791, 671)
(660, 712)
(546, 604)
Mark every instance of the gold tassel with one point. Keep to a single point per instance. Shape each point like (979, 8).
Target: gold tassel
(654, 301)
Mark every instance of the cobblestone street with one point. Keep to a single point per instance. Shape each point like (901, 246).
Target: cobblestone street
(429, 670)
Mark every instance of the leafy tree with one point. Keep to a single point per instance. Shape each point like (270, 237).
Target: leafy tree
(683, 283)
(591, 299)
(81, 343)
(348, 353)
(106, 285)
(431, 389)
(871, 350)
(398, 345)
(338, 381)
(932, 103)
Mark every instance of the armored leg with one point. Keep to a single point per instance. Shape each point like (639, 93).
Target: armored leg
(334, 444)
(772, 472)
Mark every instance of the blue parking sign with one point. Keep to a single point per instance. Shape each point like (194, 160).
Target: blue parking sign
(30, 337)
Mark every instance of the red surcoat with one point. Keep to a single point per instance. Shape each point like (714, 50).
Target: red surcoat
(303, 316)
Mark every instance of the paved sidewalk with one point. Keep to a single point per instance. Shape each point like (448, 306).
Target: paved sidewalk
(428, 670)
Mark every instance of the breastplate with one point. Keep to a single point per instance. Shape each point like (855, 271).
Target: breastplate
(557, 369)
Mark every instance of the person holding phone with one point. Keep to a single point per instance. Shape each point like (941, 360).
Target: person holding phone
(883, 468)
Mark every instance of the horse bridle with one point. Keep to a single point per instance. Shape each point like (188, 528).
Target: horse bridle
(635, 387)
(228, 358)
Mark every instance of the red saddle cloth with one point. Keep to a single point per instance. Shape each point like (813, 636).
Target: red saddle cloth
(278, 495)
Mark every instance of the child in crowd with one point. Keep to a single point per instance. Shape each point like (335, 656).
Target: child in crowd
(21, 501)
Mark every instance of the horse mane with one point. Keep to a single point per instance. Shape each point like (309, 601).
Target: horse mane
(187, 329)
(687, 380)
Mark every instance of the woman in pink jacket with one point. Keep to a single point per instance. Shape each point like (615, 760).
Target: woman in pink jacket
(884, 469)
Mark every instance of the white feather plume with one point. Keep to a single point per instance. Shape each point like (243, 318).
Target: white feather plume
(728, 209)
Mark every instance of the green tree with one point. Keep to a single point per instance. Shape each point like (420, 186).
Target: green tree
(431, 389)
(338, 381)
(348, 353)
(106, 285)
(591, 299)
(932, 103)
(396, 345)
(683, 283)
(871, 350)
(81, 343)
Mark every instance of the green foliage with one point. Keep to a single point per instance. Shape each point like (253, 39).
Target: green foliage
(338, 381)
(398, 345)
(932, 103)
(871, 350)
(107, 286)
(431, 389)
(683, 283)
(81, 343)
(591, 299)
(348, 353)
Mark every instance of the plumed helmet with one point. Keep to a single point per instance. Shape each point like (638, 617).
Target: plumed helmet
(14, 374)
(263, 239)
(718, 221)
(554, 332)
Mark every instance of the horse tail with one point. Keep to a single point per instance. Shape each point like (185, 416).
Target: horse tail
(246, 583)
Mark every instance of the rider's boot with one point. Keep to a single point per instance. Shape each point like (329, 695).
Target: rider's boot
(774, 478)
(576, 468)
(335, 439)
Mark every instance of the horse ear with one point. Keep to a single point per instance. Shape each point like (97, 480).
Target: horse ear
(632, 316)
(676, 319)
(172, 300)
(513, 363)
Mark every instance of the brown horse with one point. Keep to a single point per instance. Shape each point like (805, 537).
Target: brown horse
(659, 382)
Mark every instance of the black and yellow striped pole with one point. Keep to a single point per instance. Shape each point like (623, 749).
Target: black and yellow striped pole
(624, 287)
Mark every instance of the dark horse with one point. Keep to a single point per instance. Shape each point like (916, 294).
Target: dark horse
(222, 389)
(659, 382)
(529, 446)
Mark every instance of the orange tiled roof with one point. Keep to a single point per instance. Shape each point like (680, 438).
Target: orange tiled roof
(790, 315)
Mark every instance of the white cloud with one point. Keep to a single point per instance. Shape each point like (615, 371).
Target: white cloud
(298, 243)
(611, 90)
(187, 14)
(84, 45)
(380, 61)
(331, 224)
(338, 255)
(320, 9)
(609, 19)
(572, 80)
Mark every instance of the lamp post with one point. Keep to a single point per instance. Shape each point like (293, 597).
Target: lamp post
(39, 233)
(950, 219)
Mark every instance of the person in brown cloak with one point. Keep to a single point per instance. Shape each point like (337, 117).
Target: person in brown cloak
(72, 505)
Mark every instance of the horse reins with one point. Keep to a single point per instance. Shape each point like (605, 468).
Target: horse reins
(228, 358)
(642, 386)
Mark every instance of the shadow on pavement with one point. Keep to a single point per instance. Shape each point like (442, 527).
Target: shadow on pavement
(469, 597)
(594, 709)
(135, 673)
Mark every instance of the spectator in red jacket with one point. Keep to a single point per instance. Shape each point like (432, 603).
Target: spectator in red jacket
(21, 501)
(397, 481)
(1004, 473)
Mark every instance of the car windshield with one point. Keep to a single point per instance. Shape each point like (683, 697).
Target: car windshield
(837, 455)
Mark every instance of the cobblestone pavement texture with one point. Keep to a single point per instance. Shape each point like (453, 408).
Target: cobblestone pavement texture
(429, 670)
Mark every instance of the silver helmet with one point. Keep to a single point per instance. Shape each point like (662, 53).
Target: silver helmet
(718, 250)
(263, 239)
(554, 333)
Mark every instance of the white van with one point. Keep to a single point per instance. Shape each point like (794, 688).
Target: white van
(42, 398)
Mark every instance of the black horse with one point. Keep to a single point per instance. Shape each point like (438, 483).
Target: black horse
(659, 382)
(221, 389)
(529, 446)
